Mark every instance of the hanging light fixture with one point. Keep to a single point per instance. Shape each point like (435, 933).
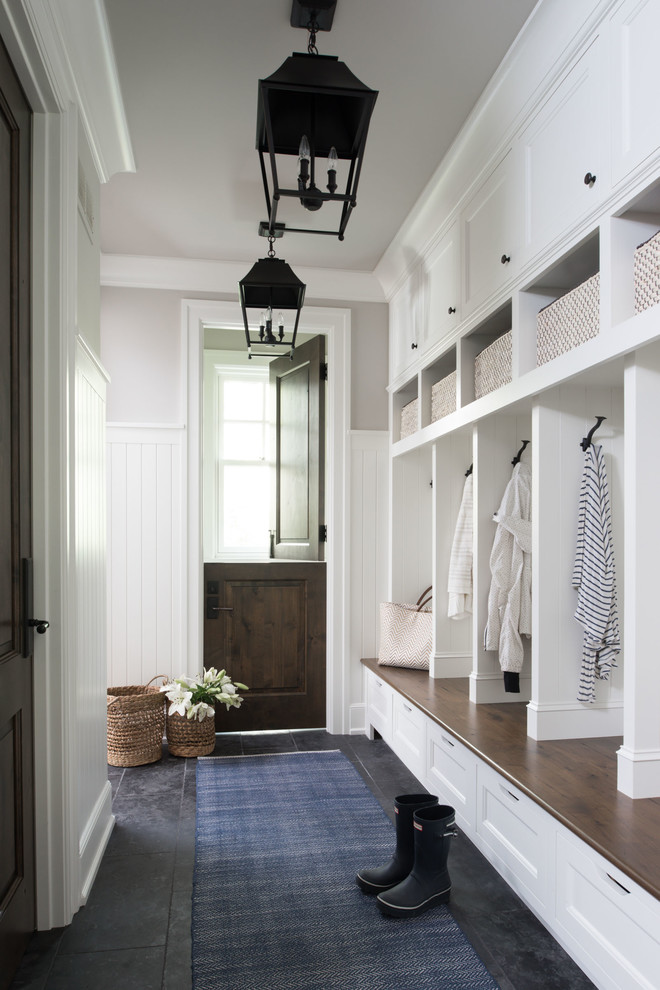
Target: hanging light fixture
(312, 109)
(272, 288)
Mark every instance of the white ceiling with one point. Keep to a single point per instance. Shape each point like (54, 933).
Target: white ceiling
(188, 71)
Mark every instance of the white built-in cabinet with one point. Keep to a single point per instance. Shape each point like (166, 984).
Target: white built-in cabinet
(609, 924)
(570, 190)
(555, 177)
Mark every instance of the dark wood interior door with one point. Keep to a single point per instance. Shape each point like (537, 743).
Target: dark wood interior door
(265, 624)
(299, 476)
(17, 895)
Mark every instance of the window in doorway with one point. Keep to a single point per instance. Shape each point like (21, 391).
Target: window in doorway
(236, 466)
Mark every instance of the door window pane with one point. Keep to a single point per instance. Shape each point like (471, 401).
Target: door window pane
(245, 512)
(243, 442)
(243, 400)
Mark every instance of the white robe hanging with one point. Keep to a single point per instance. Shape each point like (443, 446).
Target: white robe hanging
(459, 579)
(594, 577)
(510, 595)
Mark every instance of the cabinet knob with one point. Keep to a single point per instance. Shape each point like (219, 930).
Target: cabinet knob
(413, 347)
(505, 259)
(589, 179)
(452, 309)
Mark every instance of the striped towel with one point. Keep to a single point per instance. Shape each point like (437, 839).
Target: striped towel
(594, 577)
(459, 581)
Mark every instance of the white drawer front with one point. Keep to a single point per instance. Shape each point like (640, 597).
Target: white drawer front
(609, 924)
(409, 735)
(379, 705)
(452, 774)
(517, 836)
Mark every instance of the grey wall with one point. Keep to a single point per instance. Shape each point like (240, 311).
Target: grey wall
(142, 350)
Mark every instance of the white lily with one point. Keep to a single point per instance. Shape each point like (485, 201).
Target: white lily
(180, 701)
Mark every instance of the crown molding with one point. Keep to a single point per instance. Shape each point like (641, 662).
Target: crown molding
(199, 275)
(72, 42)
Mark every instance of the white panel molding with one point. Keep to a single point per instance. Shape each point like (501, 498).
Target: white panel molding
(563, 721)
(54, 302)
(357, 720)
(199, 275)
(196, 314)
(94, 839)
(451, 665)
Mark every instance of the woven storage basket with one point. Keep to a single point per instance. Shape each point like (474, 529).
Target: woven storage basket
(188, 737)
(443, 397)
(136, 725)
(492, 367)
(568, 321)
(647, 273)
(409, 418)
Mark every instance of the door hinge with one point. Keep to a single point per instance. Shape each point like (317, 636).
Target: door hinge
(323, 534)
(324, 372)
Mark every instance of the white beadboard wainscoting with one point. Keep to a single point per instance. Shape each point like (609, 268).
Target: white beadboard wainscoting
(368, 554)
(146, 551)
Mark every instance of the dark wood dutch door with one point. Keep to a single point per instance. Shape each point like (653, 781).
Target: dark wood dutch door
(16, 775)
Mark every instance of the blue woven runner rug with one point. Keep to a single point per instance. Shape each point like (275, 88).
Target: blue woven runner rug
(275, 904)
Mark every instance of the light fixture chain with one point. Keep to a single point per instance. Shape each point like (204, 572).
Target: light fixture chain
(312, 27)
(271, 249)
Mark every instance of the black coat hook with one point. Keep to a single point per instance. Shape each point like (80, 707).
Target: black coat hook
(469, 471)
(516, 459)
(585, 443)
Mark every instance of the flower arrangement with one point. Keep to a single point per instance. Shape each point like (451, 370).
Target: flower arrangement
(196, 697)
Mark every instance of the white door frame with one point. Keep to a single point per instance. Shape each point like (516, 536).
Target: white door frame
(336, 325)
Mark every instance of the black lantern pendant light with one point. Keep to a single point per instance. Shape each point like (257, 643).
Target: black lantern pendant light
(312, 109)
(272, 288)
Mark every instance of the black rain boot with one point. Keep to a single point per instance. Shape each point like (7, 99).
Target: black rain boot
(383, 877)
(428, 883)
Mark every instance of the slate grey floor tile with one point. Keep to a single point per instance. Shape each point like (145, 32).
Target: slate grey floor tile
(177, 974)
(129, 969)
(128, 906)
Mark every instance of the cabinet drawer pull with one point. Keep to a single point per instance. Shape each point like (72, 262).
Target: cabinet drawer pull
(510, 793)
(452, 309)
(505, 259)
(447, 741)
(589, 179)
(413, 347)
(379, 684)
(407, 707)
(616, 883)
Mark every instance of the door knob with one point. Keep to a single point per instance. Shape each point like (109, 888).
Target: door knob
(41, 625)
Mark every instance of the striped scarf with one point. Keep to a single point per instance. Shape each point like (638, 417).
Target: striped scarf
(594, 577)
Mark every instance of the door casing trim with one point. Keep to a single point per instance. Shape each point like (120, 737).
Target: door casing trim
(335, 324)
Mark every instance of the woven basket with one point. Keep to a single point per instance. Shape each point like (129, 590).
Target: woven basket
(409, 418)
(492, 367)
(569, 321)
(136, 725)
(443, 397)
(647, 273)
(188, 737)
